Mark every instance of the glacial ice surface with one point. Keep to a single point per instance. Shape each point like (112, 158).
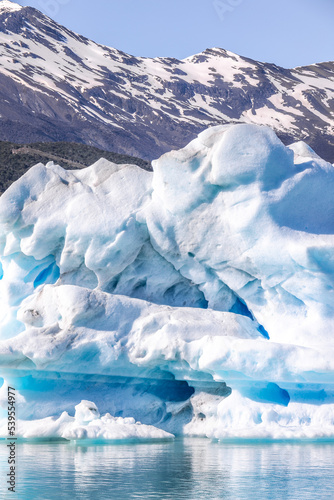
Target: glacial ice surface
(197, 299)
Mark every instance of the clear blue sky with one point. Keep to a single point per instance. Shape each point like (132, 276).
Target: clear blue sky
(286, 32)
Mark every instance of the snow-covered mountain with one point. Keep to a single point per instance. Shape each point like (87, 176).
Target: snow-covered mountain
(57, 85)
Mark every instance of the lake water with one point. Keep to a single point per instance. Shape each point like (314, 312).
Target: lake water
(187, 469)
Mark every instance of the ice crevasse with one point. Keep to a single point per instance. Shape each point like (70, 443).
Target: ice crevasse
(195, 300)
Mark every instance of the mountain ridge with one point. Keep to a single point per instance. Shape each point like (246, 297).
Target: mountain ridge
(57, 85)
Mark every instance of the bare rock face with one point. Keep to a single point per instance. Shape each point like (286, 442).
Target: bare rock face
(56, 85)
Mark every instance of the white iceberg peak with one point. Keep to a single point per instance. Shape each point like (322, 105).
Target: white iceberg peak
(7, 5)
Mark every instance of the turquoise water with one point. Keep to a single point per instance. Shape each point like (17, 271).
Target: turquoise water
(189, 469)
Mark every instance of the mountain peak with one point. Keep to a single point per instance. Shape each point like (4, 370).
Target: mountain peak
(58, 85)
(8, 6)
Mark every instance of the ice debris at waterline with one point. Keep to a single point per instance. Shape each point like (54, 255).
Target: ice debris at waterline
(198, 299)
(87, 424)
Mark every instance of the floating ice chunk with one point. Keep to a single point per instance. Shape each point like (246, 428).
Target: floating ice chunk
(86, 424)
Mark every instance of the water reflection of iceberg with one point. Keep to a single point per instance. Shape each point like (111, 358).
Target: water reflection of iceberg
(183, 470)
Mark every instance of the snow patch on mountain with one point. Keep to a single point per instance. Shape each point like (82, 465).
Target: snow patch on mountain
(8, 6)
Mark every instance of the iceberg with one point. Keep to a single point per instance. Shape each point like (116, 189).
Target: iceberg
(197, 299)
